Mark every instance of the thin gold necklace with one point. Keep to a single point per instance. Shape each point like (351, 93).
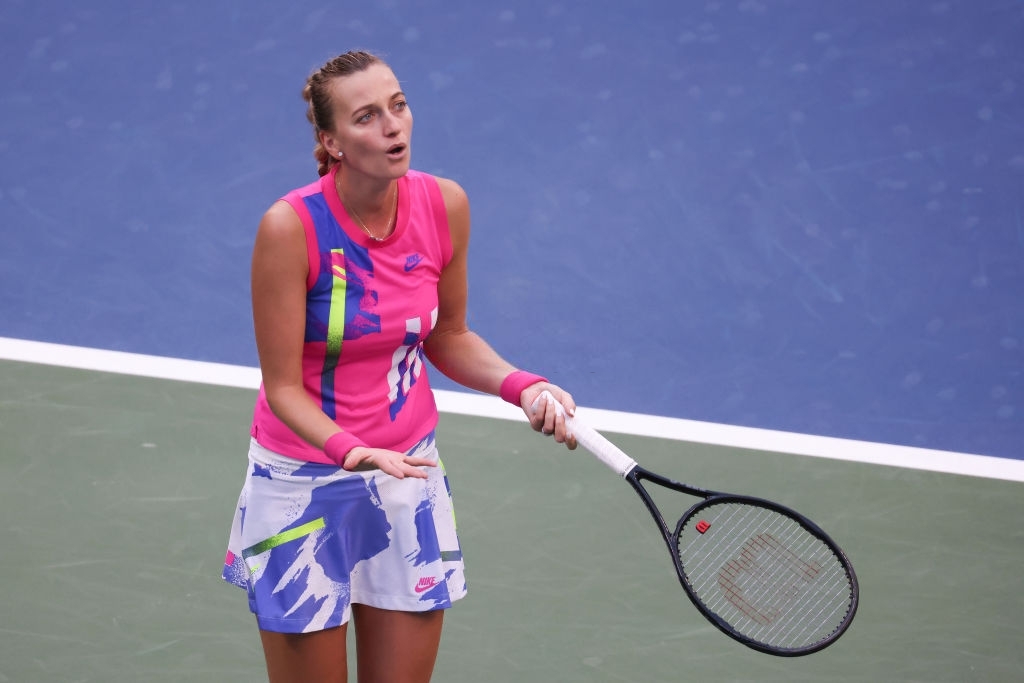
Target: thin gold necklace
(391, 219)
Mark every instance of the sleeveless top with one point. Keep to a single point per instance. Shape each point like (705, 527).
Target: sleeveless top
(369, 307)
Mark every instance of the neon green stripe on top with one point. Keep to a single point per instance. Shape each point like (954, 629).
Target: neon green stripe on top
(283, 537)
(336, 317)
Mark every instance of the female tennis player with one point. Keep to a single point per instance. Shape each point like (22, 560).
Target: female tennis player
(345, 511)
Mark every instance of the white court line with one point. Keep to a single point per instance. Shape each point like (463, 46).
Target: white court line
(464, 403)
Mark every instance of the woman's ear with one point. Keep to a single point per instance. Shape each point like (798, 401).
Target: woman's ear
(331, 145)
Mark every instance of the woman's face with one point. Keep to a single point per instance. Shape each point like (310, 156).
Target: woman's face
(372, 123)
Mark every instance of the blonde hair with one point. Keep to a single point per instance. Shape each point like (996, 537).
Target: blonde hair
(318, 98)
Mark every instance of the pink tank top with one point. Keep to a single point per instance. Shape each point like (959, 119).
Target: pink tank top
(369, 307)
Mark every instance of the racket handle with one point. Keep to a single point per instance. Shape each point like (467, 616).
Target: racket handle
(588, 437)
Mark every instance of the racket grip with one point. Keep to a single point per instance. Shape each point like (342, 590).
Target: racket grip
(588, 437)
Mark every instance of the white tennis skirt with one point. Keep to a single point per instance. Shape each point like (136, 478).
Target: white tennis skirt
(309, 540)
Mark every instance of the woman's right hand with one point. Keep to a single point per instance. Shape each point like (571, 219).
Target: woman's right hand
(398, 465)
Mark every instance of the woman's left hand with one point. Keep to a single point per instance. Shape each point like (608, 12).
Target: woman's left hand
(547, 418)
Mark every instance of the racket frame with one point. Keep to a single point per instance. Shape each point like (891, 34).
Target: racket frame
(635, 476)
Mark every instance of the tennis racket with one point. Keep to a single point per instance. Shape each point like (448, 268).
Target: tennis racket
(762, 573)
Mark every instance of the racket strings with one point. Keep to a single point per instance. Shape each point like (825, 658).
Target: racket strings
(764, 574)
(761, 584)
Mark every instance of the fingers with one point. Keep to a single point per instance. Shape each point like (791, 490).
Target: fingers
(403, 467)
(396, 464)
(543, 404)
(562, 433)
(411, 466)
(548, 415)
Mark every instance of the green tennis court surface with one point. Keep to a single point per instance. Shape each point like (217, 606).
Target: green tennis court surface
(116, 493)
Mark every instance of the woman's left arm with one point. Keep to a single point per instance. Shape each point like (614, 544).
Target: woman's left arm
(463, 355)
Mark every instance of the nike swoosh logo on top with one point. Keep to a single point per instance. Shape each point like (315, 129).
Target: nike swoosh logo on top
(412, 261)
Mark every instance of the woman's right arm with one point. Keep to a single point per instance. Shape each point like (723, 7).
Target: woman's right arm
(279, 270)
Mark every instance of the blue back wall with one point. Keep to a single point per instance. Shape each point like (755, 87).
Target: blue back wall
(803, 216)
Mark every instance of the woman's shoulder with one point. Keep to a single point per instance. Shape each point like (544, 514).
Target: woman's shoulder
(451, 206)
(281, 220)
(451, 192)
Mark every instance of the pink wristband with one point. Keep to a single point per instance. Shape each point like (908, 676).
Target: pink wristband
(338, 446)
(513, 385)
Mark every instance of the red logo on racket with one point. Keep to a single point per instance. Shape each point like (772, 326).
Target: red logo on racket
(702, 526)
